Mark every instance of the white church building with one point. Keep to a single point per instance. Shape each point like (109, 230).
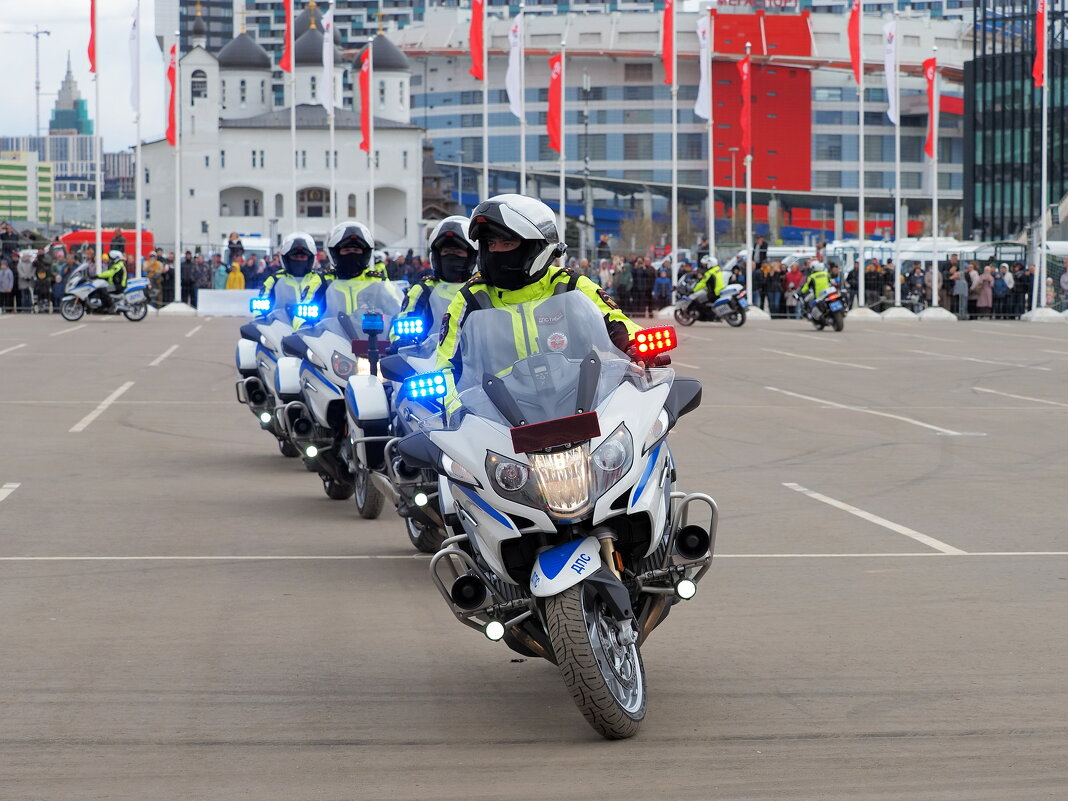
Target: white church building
(236, 154)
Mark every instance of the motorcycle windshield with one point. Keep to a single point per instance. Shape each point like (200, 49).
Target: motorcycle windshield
(376, 298)
(539, 352)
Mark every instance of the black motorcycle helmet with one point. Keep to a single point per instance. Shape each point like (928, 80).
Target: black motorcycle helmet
(520, 219)
(298, 254)
(349, 248)
(451, 234)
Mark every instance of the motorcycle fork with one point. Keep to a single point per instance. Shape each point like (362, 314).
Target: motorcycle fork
(611, 557)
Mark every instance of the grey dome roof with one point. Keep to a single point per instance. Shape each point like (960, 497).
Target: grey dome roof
(302, 24)
(387, 56)
(244, 53)
(308, 49)
(200, 27)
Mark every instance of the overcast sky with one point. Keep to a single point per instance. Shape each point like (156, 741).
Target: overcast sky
(68, 21)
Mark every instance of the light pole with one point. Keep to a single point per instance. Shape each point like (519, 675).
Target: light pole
(587, 251)
(37, 34)
(734, 186)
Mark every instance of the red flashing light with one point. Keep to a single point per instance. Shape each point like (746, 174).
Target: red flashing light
(651, 341)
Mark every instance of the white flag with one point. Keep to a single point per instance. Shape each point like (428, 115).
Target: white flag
(513, 79)
(326, 95)
(135, 63)
(703, 107)
(890, 66)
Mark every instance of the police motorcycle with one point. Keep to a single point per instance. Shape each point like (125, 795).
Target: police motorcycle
(97, 295)
(377, 466)
(570, 539)
(324, 363)
(825, 309)
(260, 345)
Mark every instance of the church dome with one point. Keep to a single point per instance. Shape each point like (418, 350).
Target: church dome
(243, 53)
(387, 56)
(308, 49)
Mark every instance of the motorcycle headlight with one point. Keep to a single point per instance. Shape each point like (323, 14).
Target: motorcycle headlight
(563, 479)
(511, 476)
(612, 459)
(512, 480)
(658, 430)
(457, 471)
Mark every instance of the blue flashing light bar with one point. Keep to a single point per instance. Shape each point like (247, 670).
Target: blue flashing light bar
(307, 311)
(408, 327)
(428, 386)
(259, 305)
(372, 323)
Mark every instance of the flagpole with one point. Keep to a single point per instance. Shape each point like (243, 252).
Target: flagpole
(897, 169)
(935, 275)
(292, 79)
(139, 224)
(861, 227)
(370, 100)
(522, 100)
(563, 143)
(97, 152)
(177, 267)
(1040, 273)
(711, 137)
(674, 153)
(485, 107)
(749, 198)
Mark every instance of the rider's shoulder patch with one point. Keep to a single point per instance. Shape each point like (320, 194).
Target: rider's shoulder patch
(444, 328)
(609, 301)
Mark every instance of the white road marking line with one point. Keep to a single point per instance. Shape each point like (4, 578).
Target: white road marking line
(931, 542)
(155, 362)
(207, 319)
(13, 347)
(1022, 336)
(980, 361)
(67, 330)
(7, 489)
(82, 424)
(914, 336)
(421, 557)
(1058, 352)
(817, 359)
(945, 431)
(684, 364)
(164, 402)
(197, 328)
(1020, 397)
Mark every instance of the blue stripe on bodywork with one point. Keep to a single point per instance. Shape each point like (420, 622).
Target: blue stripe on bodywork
(485, 507)
(653, 458)
(554, 560)
(262, 350)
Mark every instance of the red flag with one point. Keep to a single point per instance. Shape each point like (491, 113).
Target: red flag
(1038, 71)
(556, 101)
(172, 70)
(365, 98)
(854, 41)
(930, 71)
(286, 62)
(746, 120)
(92, 35)
(667, 42)
(478, 15)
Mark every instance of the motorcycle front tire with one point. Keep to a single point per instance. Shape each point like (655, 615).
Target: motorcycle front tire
(287, 448)
(612, 704)
(736, 319)
(685, 316)
(337, 490)
(72, 310)
(425, 538)
(368, 499)
(137, 312)
(839, 321)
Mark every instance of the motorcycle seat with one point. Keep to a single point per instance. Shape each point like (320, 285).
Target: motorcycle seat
(293, 345)
(250, 331)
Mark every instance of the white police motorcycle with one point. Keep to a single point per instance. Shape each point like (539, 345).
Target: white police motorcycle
(320, 369)
(571, 542)
(84, 294)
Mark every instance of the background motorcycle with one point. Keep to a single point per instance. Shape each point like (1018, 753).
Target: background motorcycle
(84, 294)
(572, 543)
(827, 309)
(729, 307)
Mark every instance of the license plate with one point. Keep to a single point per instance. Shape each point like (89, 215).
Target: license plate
(135, 297)
(743, 303)
(836, 305)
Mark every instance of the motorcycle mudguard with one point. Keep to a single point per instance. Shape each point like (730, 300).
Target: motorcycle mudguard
(287, 376)
(564, 566)
(246, 356)
(365, 398)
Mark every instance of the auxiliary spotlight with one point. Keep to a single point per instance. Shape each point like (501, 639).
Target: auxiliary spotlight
(420, 499)
(265, 417)
(685, 589)
(311, 451)
(494, 630)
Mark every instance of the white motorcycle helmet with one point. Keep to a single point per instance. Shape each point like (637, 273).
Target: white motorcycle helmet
(709, 261)
(816, 264)
(515, 217)
(452, 268)
(298, 254)
(349, 248)
(115, 255)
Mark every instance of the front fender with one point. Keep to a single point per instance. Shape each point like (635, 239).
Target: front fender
(564, 566)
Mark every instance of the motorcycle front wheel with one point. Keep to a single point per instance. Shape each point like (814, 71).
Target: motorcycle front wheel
(287, 448)
(136, 312)
(336, 490)
(72, 310)
(685, 316)
(368, 498)
(425, 538)
(606, 678)
(736, 319)
(839, 321)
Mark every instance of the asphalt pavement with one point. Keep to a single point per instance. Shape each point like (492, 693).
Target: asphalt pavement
(186, 615)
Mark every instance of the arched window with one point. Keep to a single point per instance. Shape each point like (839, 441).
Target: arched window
(352, 205)
(198, 84)
(263, 92)
(279, 210)
(222, 93)
(382, 92)
(400, 91)
(313, 86)
(243, 92)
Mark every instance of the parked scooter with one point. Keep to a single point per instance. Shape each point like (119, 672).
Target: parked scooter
(87, 295)
(571, 541)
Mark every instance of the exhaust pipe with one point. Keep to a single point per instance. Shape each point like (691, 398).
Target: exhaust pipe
(468, 592)
(692, 542)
